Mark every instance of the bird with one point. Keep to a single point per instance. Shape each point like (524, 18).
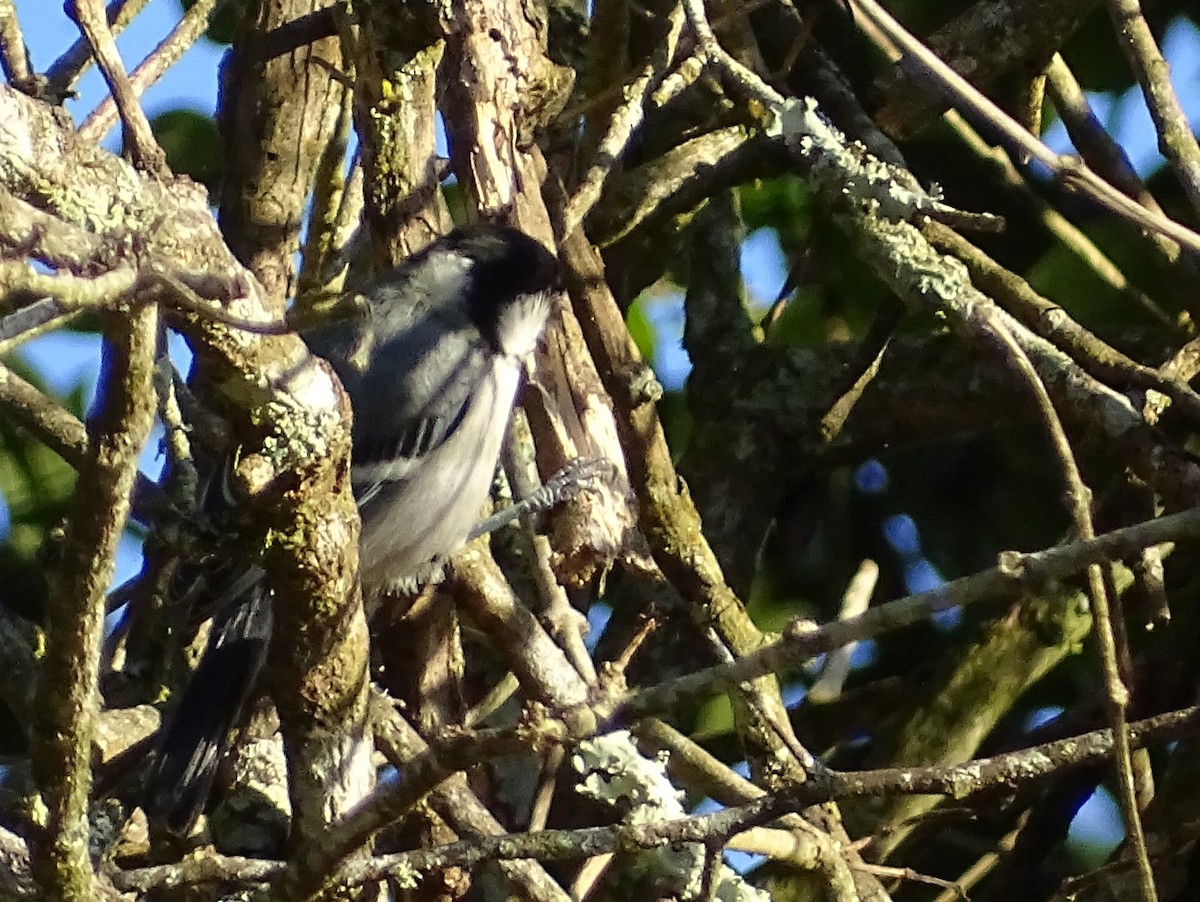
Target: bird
(431, 362)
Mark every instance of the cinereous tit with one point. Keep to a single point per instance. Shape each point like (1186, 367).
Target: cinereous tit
(432, 366)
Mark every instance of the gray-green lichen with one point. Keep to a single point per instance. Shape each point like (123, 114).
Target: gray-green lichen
(617, 773)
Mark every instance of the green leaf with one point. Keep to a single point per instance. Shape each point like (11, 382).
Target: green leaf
(640, 329)
(226, 21)
(192, 145)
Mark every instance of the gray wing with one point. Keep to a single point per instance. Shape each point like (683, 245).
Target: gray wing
(405, 413)
(410, 364)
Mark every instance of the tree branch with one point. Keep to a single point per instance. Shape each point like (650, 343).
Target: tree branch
(68, 699)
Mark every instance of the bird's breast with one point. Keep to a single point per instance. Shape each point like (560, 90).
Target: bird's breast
(428, 513)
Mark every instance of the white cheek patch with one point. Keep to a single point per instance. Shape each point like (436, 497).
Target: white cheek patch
(521, 324)
(444, 277)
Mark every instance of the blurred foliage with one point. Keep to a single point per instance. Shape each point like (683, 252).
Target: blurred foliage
(36, 485)
(784, 204)
(226, 21)
(641, 329)
(192, 146)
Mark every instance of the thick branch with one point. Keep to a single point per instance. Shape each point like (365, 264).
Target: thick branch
(68, 702)
(286, 410)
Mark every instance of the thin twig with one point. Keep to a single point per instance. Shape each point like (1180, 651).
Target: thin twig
(1090, 137)
(1079, 506)
(69, 68)
(828, 686)
(883, 870)
(554, 609)
(36, 234)
(1049, 320)
(44, 417)
(328, 200)
(717, 55)
(589, 875)
(19, 278)
(694, 767)
(803, 640)
(1140, 770)
(621, 125)
(1109, 159)
(1071, 171)
(139, 139)
(1030, 102)
(1072, 237)
(189, 301)
(1058, 225)
(1175, 136)
(182, 476)
(982, 867)
(861, 371)
(454, 800)
(495, 698)
(647, 624)
(163, 57)
(957, 781)
(539, 812)
(62, 433)
(349, 235)
(65, 296)
(709, 884)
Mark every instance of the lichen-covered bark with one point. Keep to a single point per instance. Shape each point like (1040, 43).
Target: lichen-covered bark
(68, 704)
(285, 407)
(280, 102)
(399, 50)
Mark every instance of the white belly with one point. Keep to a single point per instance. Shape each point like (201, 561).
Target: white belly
(430, 511)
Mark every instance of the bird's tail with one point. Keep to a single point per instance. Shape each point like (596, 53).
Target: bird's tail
(196, 733)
